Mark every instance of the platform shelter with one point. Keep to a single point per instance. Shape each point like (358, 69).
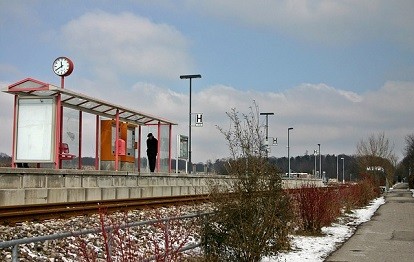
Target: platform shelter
(47, 129)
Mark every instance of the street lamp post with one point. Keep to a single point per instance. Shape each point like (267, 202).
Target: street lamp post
(320, 162)
(288, 148)
(267, 130)
(337, 169)
(189, 120)
(315, 152)
(343, 170)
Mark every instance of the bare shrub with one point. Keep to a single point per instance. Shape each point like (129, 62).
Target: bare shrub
(160, 241)
(350, 196)
(316, 207)
(252, 214)
(368, 189)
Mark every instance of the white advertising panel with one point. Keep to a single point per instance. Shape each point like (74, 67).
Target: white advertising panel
(35, 130)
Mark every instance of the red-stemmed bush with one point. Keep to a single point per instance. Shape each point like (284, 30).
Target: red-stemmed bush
(159, 241)
(315, 207)
(349, 196)
(359, 194)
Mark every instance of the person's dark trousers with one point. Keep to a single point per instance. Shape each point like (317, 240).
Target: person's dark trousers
(152, 160)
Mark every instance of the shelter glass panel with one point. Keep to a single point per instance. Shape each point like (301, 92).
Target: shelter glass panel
(70, 135)
(164, 154)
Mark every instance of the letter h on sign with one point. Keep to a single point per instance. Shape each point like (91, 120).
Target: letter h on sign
(199, 120)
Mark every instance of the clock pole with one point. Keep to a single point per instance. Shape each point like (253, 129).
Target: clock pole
(62, 66)
(62, 85)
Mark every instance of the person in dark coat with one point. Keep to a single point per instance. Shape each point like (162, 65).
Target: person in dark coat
(152, 151)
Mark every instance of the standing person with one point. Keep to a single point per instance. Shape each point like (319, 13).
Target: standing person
(152, 150)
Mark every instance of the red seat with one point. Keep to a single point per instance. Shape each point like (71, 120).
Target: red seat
(64, 152)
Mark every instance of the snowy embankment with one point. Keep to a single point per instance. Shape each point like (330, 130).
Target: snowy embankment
(308, 248)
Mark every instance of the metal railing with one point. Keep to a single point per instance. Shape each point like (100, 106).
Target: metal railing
(16, 242)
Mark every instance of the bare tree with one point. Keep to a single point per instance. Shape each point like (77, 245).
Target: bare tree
(244, 137)
(408, 161)
(376, 155)
(409, 147)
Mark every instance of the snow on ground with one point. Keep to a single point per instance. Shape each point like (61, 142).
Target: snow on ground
(307, 248)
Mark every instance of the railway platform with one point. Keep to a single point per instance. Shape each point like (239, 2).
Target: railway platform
(23, 186)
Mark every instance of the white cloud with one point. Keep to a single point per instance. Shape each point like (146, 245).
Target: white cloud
(128, 44)
(351, 96)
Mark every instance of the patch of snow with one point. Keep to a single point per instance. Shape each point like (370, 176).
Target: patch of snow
(316, 249)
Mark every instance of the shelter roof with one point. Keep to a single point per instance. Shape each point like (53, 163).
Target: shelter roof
(33, 88)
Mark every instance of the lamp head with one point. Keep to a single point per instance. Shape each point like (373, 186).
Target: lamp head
(189, 76)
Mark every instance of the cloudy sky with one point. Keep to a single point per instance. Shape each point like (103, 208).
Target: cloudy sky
(336, 71)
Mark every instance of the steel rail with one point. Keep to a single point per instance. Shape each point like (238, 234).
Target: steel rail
(14, 214)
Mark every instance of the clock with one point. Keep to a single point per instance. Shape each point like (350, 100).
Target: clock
(62, 66)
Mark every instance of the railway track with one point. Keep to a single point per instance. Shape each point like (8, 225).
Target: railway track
(10, 215)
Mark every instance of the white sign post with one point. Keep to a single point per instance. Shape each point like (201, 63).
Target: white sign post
(182, 151)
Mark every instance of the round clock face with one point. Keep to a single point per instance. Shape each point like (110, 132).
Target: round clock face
(62, 66)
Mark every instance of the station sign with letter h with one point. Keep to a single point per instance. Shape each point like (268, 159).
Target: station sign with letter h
(198, 119)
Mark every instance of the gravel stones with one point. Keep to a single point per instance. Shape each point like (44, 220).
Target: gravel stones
(137, 242)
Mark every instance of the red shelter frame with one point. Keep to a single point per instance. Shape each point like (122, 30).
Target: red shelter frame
(32, 88)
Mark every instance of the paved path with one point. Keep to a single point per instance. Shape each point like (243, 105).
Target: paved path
(388, 236)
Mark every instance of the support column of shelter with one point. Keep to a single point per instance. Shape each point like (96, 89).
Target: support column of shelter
(169, 148)
(97, 129)
(80, 141)
(116, 139)
(139, 149)
(14, 130)
(158, 146)
(58, 132)
(60, 124)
